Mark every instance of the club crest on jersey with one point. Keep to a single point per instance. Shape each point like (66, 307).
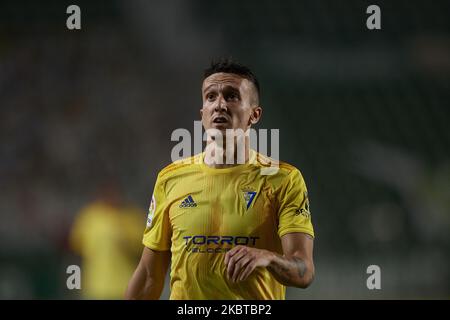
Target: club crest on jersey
(249, 196)
(151, 211)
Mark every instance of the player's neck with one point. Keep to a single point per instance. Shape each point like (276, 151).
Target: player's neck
(226, 157)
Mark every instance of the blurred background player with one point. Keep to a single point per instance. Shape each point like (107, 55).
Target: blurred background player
(106, 234)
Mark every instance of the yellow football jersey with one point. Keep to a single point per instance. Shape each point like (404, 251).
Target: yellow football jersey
(199, 213)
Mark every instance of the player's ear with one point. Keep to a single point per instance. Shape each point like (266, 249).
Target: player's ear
(255, 115)
(201, 113)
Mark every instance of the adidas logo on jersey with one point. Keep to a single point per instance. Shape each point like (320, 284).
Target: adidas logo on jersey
(188, 203)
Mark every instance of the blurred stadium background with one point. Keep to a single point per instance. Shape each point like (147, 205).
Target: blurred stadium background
(364, 114)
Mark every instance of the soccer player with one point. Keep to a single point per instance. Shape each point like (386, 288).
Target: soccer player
(104, 234)
(229, 231)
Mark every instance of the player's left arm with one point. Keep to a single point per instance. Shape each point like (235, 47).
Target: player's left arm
(294, 268)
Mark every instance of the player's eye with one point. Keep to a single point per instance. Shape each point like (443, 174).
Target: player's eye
(232, 96)
(210, 96)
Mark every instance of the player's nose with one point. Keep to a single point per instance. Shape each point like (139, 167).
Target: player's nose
(221, 104)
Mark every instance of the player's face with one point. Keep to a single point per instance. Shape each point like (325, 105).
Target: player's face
(229, 102)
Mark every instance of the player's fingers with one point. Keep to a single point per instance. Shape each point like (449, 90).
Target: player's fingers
(232, 262)
(240, 266)
(247, 271)
(231, 253)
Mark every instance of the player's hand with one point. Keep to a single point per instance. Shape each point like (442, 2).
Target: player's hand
(242, 260)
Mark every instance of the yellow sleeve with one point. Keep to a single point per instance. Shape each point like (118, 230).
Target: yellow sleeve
(294, 214)
(158, 231)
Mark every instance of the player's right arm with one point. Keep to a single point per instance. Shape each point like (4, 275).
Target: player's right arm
(147, 281)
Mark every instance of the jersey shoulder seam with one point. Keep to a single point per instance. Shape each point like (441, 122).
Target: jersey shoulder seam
(266, 161)
(179, 164)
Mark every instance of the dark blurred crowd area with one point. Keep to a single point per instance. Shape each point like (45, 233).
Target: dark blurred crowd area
(363, 114)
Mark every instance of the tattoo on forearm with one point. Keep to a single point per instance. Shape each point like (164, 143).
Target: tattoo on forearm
(280, 269)
(301, 266)
(285, 270)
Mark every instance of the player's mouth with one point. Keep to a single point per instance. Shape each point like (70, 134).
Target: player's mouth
(220, 120)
